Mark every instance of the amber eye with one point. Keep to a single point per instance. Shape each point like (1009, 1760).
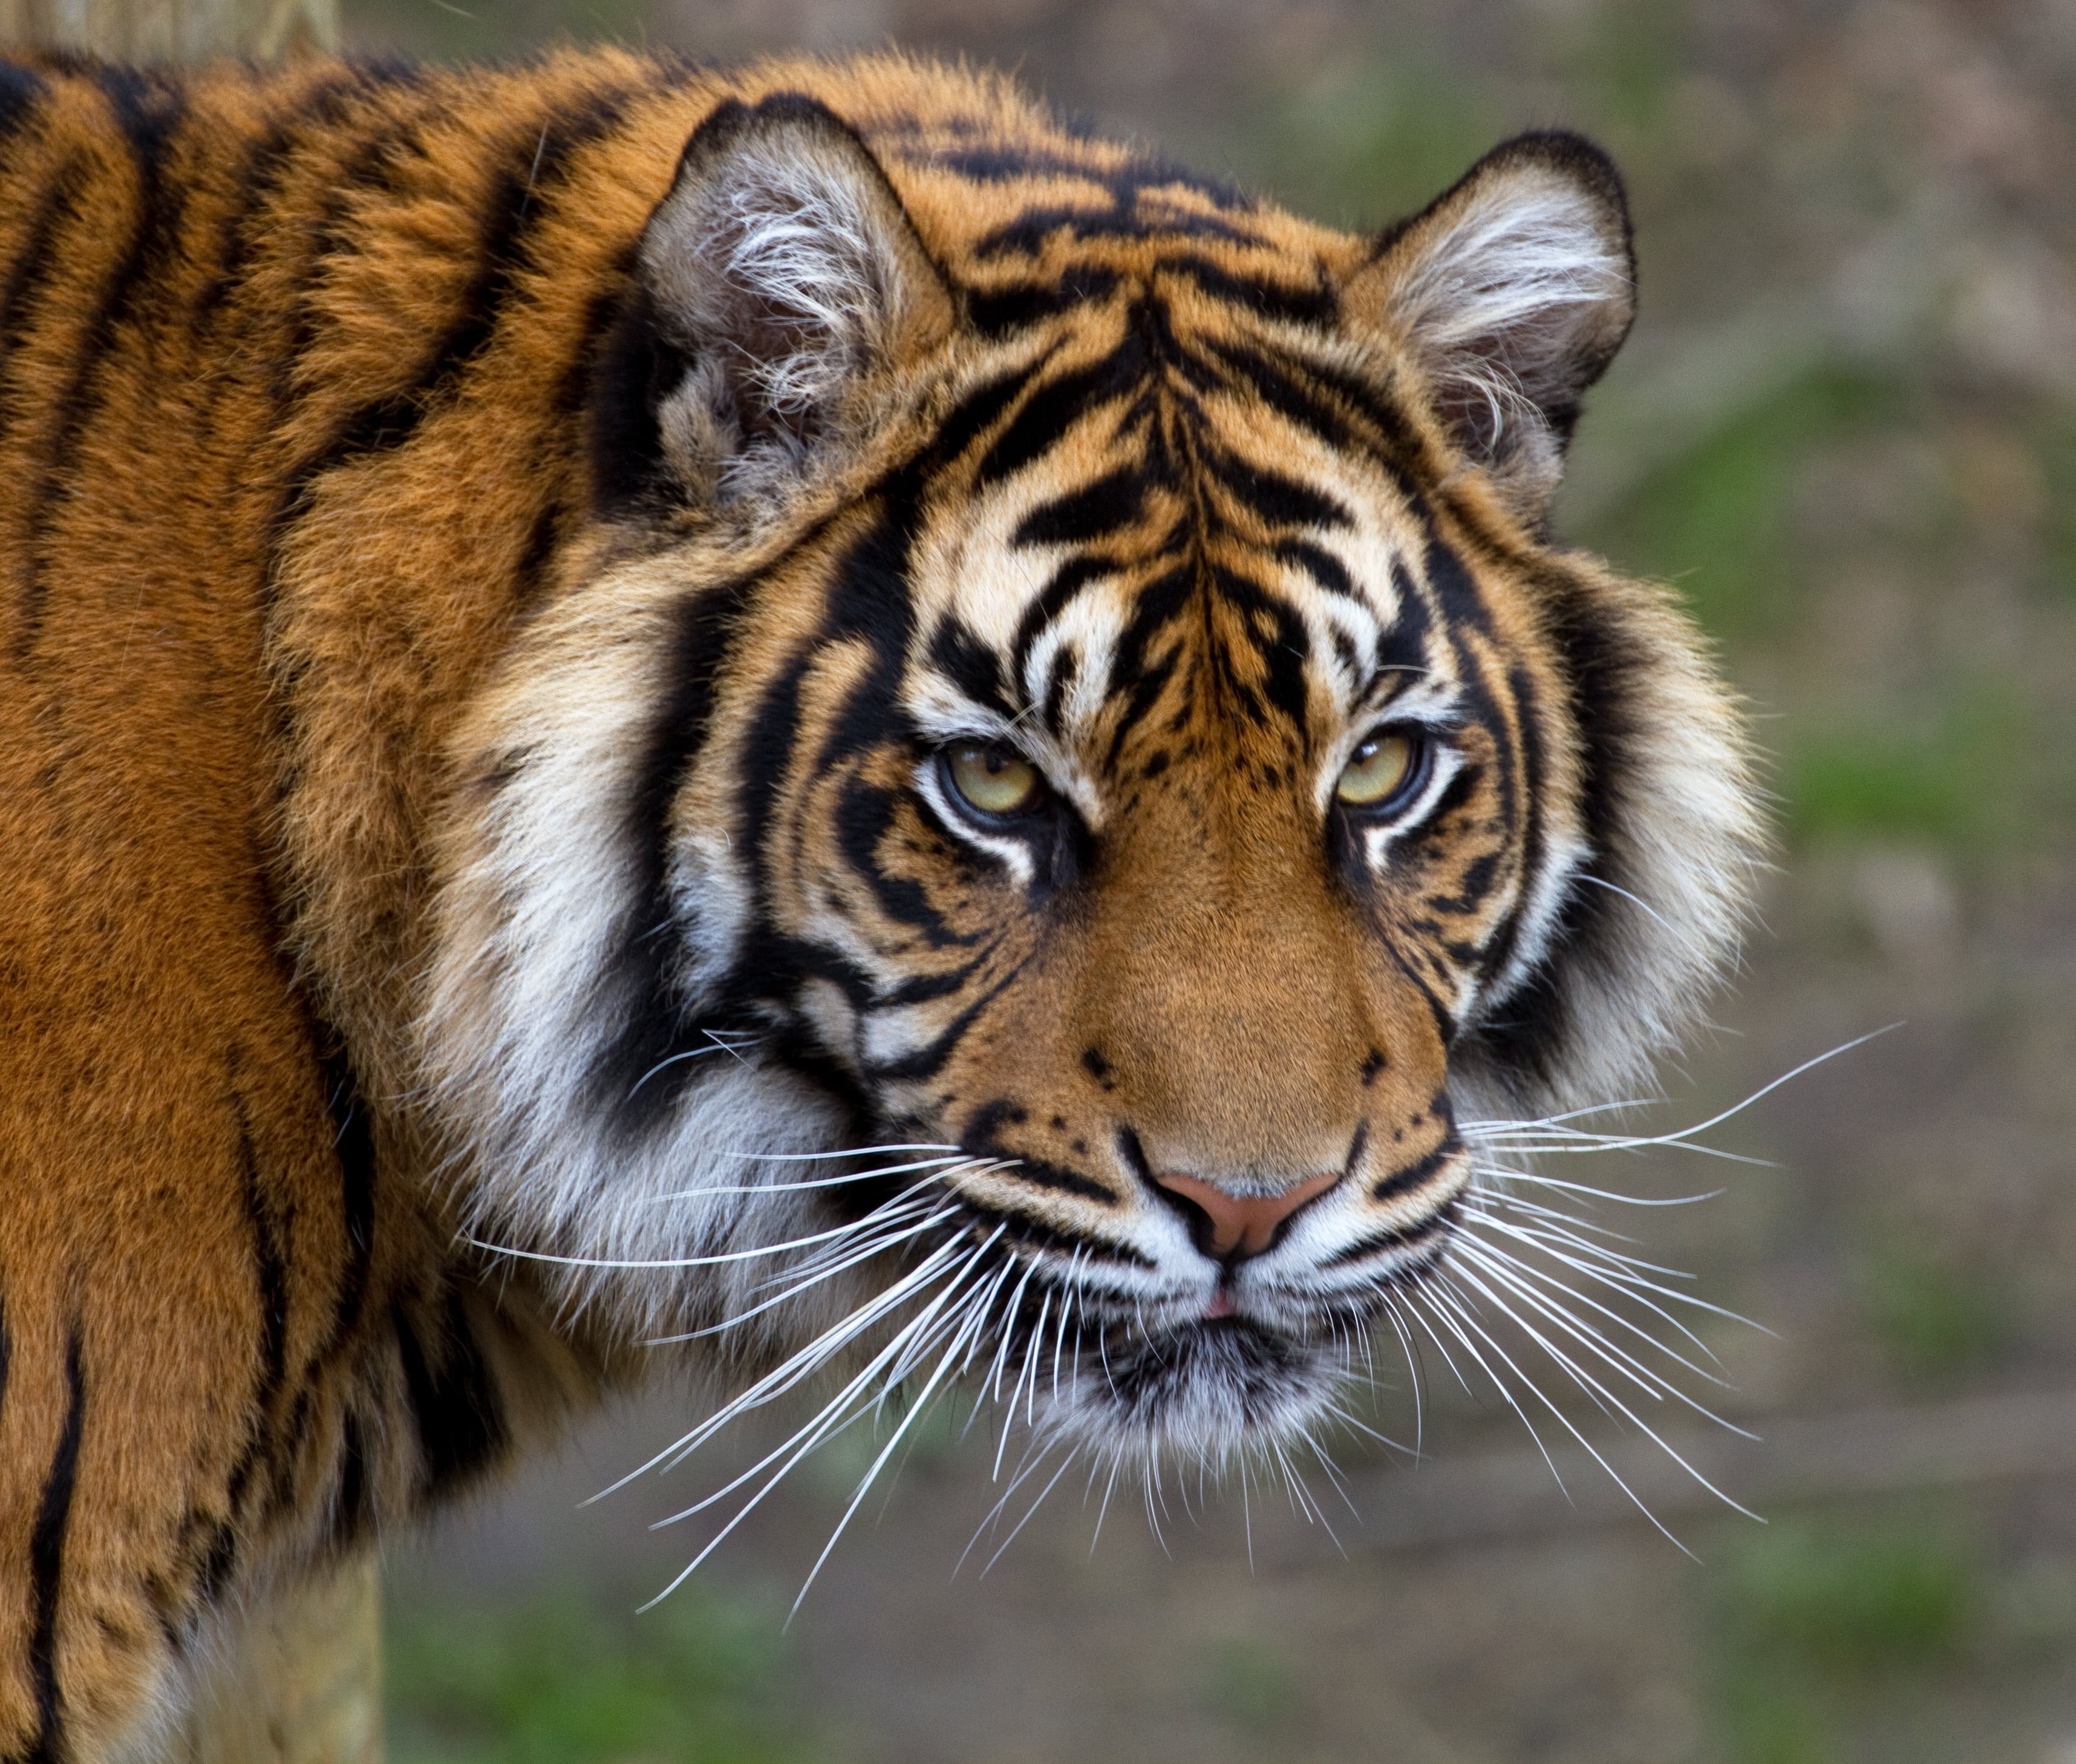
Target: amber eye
(1377, 770)
(992, 779)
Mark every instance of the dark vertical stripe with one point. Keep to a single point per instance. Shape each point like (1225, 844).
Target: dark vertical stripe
(352, 1512)
(459, 1421)
(47, 1566)
(270, 1289)
(270, 1278)
(7, 1353)
(504, 248)
(20, 90)
(146, 111)
(31, 266)
(637, 972)
(353, 1145)
(317, 109)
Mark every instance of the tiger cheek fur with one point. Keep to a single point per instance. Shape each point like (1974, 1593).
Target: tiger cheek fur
(796, 704)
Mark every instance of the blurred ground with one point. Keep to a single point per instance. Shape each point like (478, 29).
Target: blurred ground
(1846, 426)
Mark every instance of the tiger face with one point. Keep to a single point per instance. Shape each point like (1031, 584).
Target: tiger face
(1068, 776)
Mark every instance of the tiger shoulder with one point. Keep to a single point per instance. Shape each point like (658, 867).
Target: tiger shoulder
(794, 707)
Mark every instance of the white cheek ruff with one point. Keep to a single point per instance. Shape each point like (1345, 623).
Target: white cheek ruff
(540, 896)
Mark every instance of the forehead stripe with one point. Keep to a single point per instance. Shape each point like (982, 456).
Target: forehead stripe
(1068, 581)
(1278, 501)
(1056, 407)
(1114, 502)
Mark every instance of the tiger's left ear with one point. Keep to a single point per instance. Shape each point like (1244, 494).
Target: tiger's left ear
(777, 285)
(1512, 291)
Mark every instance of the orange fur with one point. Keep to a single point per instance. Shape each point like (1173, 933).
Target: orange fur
(301, 540)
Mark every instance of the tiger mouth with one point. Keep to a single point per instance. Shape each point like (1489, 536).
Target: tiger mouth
(1138, 1378)
(1202, 1388)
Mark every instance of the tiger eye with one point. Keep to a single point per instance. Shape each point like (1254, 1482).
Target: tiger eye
(1377, 768)
(992, 779)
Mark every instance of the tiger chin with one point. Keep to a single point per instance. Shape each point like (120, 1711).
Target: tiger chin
(791, 711)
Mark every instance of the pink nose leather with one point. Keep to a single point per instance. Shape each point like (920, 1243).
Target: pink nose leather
(1245, 1223)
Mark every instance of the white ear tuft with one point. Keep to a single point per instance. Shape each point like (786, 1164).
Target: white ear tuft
(1512, 292)
(785, 271)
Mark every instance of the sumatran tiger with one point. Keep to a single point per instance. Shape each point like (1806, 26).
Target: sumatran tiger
(797, 706)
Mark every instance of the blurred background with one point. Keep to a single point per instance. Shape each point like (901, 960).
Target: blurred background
(1846, 428)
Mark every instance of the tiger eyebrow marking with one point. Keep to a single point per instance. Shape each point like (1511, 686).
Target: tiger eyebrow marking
(1114, 502)
(1275, 500)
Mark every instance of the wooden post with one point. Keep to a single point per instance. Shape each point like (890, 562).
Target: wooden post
(302, 1683)
(171, 30)
(304, 1686)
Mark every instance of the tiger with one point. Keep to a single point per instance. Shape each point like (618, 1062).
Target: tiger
(793, 708)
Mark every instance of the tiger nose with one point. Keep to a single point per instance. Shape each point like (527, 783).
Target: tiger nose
(1245, 1223)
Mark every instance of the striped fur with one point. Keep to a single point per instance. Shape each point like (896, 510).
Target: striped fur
(493, 562)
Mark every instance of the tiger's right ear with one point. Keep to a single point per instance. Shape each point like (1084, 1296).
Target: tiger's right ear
(1511, 292)
(774, 288)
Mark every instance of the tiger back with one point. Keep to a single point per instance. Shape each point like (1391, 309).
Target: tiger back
(583, 640)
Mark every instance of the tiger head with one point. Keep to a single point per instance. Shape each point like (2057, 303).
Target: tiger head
(1068, 697)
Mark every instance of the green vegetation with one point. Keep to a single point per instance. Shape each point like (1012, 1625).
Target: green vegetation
(1936, 1322)
(1718, 519)
(1963, 775)
(574, 1681)
(1371, 142)
(1250, 1687)
(1812, 1614)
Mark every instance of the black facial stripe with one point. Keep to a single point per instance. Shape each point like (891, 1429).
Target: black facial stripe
(1386, 422)
(981, 1137)
(1455, 589)
(1009, 162)
(1405, 645)
(1027, 234)
(1602, 669)
(1476, 885)
(870, 602)
(1275, 499)
(1315, 304)
(1008, 306)
(920, 1065)
(1068, 581)
(1443, 1018)
(1157, 603)
(957, 652)
(926, 988)
(1279, 637)
(1054, 408)
(1528, 708)
(864, 814)
(1110, 504)
(1277, 389)
(982, 407)
(1025, 1232)
(1432, 1231)
(1066, 663)
(1327, 571)
(1417, 1175)
(629, 1079)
